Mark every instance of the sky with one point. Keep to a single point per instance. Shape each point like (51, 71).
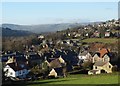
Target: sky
(27, 13)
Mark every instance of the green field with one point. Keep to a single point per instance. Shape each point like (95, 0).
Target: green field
(103, 40)
(80, 79)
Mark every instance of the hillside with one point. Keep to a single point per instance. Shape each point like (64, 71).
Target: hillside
(43, 27)
(7, 32)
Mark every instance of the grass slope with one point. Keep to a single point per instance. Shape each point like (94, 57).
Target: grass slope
(80, 79)
(103, 40)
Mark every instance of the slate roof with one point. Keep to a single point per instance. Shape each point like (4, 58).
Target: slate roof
(58, 62)
(83, 53)
(59, 71)
(17, 56)
(33, 55)
(16, 67)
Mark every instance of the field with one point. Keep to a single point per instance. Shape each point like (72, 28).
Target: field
(80, 79)
(103, 40)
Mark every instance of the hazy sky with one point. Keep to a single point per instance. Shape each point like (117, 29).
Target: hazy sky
(57, 12)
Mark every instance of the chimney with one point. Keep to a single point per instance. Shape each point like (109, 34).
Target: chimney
(99, 49)
(16, 64)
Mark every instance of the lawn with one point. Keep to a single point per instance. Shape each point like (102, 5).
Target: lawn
(103, 40)
(80, 79)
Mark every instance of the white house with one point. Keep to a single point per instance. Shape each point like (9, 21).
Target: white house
(100, 65)
(84, 55)
(96, 58)
(107, 34)
(104, 58)
(41, 37)
(13, 70)
(53, 73)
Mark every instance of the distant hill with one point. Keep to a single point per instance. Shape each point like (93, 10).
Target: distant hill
(43, 27)
(7, 32)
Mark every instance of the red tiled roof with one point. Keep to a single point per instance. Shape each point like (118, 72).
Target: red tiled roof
(103, 51)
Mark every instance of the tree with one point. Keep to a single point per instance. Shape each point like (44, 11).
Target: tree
(102, 32)
(115, 68)
(87, 65)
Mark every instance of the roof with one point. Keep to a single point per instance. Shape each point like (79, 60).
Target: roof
(92, 53)
(16, 67)
(103, 51)
(98, 54)
(52, 73)
(83, 53)
(18, 56)
(59, 71)
(99, 63)
(56, 63)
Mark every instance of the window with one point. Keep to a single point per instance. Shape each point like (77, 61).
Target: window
(20, 72)
(11, 73)
(23, 72)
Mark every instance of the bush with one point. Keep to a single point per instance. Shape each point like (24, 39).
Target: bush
(115, 68)
(87, 65)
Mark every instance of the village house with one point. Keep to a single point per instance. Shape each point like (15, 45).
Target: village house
(57, 67)
(96, 34)
(107, 33)
(102, 54)
(104, 58)
(101, 67)
(41, 37)
(17, 56)
(101, 62)
(14, 70)
(84, 56)
(59, 62)
(113, 22)
(77, 35)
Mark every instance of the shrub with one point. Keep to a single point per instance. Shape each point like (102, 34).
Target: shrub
(115, 68)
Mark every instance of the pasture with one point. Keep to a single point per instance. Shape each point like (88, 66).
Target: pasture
(102, 40)
(80, 79)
